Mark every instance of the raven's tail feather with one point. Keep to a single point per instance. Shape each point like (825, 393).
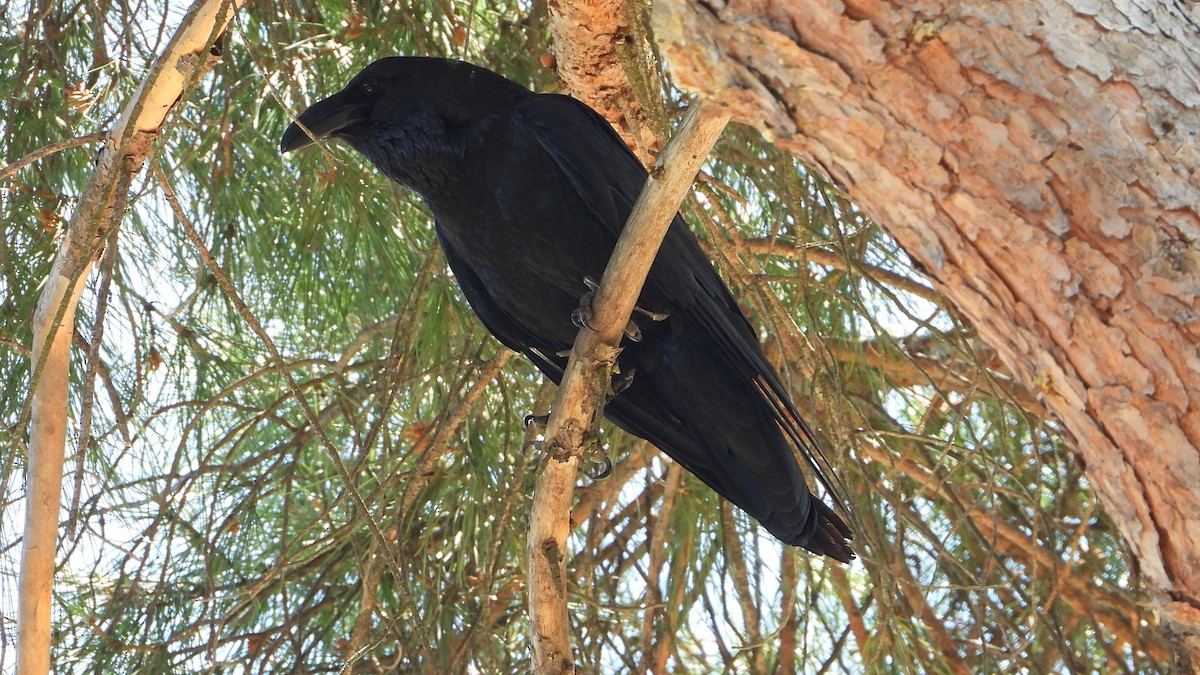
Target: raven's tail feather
(830, 536)
(813, 526)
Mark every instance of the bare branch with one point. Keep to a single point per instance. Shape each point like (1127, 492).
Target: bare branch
(829, 258)
(184, 60)
(580, 395)
(48, 150)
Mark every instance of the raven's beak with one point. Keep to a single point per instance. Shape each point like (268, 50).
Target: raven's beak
(323, 119)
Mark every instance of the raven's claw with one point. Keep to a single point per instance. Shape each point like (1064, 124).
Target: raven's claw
(606, 467)
(582, 316)
(633, 332)
(539, 421)
(654, 316)
(621, 379)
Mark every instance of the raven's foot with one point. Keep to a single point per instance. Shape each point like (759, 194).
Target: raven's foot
(654, 316)
(538, 421)
(535, 425)
(633, 332)
(621, 379)
(582, 316)
(605, 469)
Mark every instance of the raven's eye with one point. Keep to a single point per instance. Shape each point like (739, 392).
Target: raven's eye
(367, 88)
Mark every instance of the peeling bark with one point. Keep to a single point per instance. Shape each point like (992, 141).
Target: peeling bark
(586, 36)
(1039, 161)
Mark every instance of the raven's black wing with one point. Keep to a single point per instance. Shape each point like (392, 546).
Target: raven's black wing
(608, 178)
(503, 327)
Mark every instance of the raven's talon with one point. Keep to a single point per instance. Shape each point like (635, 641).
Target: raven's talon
(606, 468)
(539, 421)
(654, 316)
(621, 379)
(633, 332)
(581, 317)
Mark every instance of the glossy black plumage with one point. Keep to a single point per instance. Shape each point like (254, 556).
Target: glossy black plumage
(530, 192)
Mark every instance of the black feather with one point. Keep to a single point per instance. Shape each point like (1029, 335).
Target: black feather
(530, 192)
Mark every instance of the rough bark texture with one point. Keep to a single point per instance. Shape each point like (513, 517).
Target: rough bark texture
(586, 34)
(1039, 160)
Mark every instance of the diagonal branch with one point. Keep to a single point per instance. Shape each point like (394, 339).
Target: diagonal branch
(838, 261)
(580, 396)
(185, 59)
(48, 150)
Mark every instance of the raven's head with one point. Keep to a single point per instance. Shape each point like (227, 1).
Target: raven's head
(403, 95)
(414, 118)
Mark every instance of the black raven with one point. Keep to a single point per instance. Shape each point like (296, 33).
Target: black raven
(530, 192)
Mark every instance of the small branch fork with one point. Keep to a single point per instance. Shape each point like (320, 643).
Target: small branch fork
(580, 397)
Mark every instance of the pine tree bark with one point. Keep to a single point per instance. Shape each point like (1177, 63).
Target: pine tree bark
(1039, 161)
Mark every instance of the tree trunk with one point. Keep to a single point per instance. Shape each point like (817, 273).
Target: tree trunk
(1038, 160)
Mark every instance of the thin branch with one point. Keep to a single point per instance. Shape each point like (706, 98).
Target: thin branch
(854, 617)
(838, 261)
(48, 150)
(735, 557)
(789, 579)
(435, 446)
(89, 382)
(101, 207)
(595, 498)
(942, 641)
(580, 394)
(907, 369)
(348, 482)
(660, 637)
(1117, 615)
(492, 606)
